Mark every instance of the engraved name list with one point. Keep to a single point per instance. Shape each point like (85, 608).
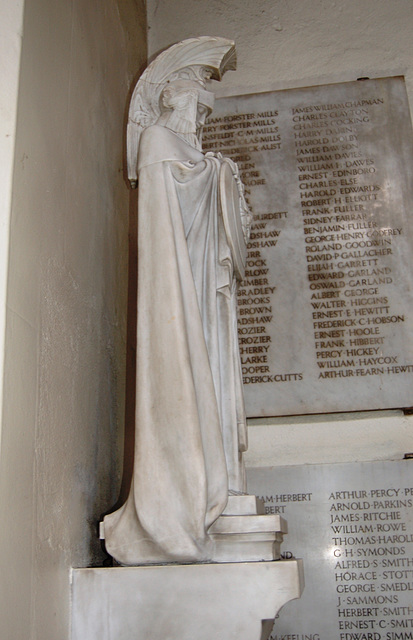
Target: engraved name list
(326, 304)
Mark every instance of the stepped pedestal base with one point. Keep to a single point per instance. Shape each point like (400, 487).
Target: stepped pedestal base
(228, 601)
(247, 538)
(243, 533)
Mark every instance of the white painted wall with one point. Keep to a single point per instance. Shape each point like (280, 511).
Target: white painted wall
(63, 414)
(11, 25)
(291, 44)
(284, 44)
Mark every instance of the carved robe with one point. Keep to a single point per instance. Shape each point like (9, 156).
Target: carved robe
(190, 422)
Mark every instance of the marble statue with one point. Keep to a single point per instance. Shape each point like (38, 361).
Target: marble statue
(192, 229)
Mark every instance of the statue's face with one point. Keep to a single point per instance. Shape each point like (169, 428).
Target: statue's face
(177, 99)
(184, 108)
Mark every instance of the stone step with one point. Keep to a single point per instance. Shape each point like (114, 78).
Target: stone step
(247, 505)
(249, 524)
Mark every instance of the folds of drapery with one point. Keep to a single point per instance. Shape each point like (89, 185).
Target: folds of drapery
(189, 409)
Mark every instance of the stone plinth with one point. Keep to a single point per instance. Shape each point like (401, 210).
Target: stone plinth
(242, 533)
(247, 538)
(235, 601)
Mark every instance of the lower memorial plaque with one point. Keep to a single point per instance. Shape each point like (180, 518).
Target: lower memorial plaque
(325, 309)
(353, 525)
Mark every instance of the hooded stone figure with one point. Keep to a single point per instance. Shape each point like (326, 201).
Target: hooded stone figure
(190, 419)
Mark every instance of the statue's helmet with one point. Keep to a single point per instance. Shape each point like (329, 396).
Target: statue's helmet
(194, 62)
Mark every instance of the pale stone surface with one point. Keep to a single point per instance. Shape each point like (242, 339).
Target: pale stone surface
(242, 533)
(237, 601)
(237, 524)
(249, 536)
(246, 547)
(353, 523)
(243, 505)
(325, 310)
(363, 436)
(190, 417)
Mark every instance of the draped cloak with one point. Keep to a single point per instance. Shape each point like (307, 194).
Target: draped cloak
(190, 420)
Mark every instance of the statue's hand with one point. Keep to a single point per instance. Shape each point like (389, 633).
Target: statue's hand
(212, 154)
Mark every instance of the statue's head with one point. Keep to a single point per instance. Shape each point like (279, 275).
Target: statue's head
(184, 106)
(171, 91)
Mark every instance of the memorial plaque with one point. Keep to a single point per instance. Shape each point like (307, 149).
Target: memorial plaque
(325, 309)
(353, 526)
